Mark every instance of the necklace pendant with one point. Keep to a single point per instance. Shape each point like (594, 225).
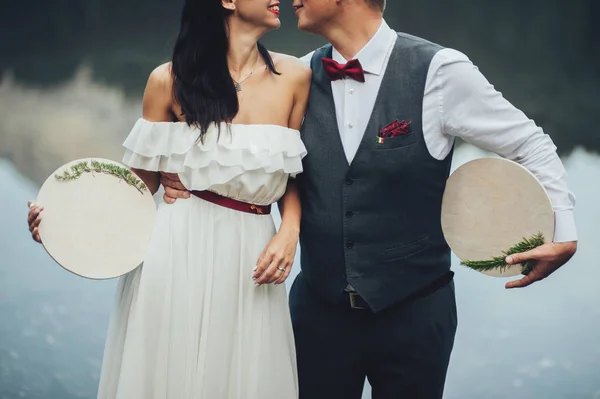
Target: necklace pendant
(238, 87)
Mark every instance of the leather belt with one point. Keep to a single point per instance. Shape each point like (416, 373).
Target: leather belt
(355, 301)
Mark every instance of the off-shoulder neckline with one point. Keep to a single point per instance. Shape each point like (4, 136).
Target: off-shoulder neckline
(267, 125)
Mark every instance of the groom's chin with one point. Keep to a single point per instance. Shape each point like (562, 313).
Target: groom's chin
(304, 27)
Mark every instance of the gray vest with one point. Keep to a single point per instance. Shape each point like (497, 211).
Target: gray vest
(376, 222)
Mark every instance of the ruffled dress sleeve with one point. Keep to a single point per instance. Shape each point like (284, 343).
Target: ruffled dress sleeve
(175, 147)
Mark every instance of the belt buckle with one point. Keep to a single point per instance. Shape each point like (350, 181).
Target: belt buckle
(353, 296)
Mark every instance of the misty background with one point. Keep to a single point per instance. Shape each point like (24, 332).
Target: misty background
(71, 79)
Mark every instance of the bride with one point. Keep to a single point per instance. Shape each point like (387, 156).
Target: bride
(206, 316)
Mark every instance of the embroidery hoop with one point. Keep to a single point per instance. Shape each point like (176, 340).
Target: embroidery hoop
(491, 204)
(97, 225)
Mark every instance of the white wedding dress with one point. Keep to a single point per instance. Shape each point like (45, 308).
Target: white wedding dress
(190, 322)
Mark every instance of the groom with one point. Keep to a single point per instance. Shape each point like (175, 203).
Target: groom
(375, 297)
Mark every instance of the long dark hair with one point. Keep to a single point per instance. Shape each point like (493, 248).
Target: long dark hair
(202, 84)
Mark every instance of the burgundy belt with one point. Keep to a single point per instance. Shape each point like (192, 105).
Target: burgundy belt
(232, 203)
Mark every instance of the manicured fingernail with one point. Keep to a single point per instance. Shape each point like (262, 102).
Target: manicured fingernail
(256, 267)
(509, 259)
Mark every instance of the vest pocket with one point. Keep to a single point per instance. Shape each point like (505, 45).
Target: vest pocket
(406, 250)
(396, 142)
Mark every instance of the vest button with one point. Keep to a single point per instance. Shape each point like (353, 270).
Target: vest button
(349, 214)
(349, 245)
(349, 181)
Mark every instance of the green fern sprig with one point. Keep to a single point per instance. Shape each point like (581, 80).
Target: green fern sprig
(100, 167)
(498, 262)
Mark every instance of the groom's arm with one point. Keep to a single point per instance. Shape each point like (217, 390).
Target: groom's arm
(460, 102)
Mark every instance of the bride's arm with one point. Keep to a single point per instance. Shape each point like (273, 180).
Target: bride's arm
(281, 250)
(289, 205)
(157, 104)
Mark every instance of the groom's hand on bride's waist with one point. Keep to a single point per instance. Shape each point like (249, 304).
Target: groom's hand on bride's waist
(173, 187)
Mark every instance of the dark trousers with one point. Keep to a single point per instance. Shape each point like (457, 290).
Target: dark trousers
(403, 351)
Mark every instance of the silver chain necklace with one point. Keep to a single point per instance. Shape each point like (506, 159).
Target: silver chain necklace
(238, 85)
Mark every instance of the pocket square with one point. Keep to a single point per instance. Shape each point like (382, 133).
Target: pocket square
(396, 128)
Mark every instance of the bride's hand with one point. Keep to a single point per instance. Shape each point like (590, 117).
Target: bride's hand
(33, 220)
(275, 263)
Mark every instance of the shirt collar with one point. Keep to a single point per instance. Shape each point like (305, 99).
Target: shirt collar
(373, 55)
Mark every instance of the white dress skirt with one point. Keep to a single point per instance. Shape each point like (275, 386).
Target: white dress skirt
(190, 322)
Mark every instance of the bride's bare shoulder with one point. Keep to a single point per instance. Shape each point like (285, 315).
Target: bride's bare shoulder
(295, 69)
(158, 95)
(160, 78)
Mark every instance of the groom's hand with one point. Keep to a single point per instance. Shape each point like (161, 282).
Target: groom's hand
(173, 187)
(548, 258)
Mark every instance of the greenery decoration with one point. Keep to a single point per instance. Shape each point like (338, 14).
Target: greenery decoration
(101, 167)
(499, 263)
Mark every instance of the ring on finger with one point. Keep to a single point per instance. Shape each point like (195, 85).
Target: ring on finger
(281, 269)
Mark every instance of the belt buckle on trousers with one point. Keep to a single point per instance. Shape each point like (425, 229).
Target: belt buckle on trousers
(353, 296)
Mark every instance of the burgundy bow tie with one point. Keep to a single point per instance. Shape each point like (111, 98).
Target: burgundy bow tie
(336, 71)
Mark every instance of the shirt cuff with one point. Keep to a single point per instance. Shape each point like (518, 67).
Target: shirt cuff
(564, 226)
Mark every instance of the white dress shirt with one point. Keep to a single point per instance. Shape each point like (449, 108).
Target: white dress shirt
(458, 102)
